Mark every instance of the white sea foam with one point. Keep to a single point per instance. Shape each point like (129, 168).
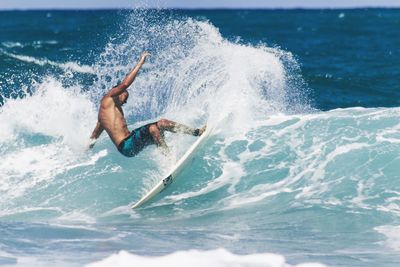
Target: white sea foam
(216, 258)
(29, 166)
(51, 111)
(200, 74)
(392, 233)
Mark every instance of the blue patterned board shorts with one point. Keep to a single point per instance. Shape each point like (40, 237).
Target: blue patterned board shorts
(136, 141)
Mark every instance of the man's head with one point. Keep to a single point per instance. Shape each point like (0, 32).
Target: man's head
(122, 98)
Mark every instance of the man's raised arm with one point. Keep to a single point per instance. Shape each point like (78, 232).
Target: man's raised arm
(120, 88)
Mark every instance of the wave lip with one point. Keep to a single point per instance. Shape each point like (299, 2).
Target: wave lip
(195, 258)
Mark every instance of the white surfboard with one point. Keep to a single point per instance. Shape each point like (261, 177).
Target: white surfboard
(175, 171)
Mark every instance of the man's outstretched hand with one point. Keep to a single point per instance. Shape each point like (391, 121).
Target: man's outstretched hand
(143, 57)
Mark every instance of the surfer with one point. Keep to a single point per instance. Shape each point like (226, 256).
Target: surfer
(111, 118)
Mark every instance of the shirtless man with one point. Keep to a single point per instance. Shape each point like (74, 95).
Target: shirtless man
(111, 118)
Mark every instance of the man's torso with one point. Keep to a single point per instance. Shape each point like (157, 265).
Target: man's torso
(111, 118)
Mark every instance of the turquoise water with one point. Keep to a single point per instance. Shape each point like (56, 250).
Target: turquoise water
(304, 162)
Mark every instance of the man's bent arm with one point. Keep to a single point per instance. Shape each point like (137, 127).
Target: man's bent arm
(119, 89)
(95, 134)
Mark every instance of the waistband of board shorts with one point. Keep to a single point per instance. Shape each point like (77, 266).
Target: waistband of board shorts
(121, 144)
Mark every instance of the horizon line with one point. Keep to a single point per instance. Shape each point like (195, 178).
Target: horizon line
(197, 8)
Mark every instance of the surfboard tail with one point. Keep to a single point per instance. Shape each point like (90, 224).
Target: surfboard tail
(175, 171)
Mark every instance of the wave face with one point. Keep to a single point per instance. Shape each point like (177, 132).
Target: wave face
(276, 175)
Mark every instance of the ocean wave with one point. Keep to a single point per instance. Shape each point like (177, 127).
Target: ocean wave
(276, 175)
(192, 68)
(68, 66)
(35, 44)
(260, 152)
(12, 44)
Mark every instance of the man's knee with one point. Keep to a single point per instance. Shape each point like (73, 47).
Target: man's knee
(154, 130)
(163, 123)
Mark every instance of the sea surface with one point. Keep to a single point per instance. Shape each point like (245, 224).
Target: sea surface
(303, 166)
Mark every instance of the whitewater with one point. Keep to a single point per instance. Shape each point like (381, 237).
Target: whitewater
(279, 183)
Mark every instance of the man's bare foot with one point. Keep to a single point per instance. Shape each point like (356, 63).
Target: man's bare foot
(202, 130)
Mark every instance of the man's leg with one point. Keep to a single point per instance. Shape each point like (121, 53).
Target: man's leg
(157, 135)
(157, 131)
(171, 126)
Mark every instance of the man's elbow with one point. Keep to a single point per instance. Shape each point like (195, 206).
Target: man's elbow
(123, 86)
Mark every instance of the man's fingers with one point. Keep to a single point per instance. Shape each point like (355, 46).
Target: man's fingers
(144, 55)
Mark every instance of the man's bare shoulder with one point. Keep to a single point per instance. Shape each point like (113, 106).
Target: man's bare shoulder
(106, 101)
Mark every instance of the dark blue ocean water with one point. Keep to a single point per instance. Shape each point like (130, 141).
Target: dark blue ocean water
(304, 162)
(347, 57)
